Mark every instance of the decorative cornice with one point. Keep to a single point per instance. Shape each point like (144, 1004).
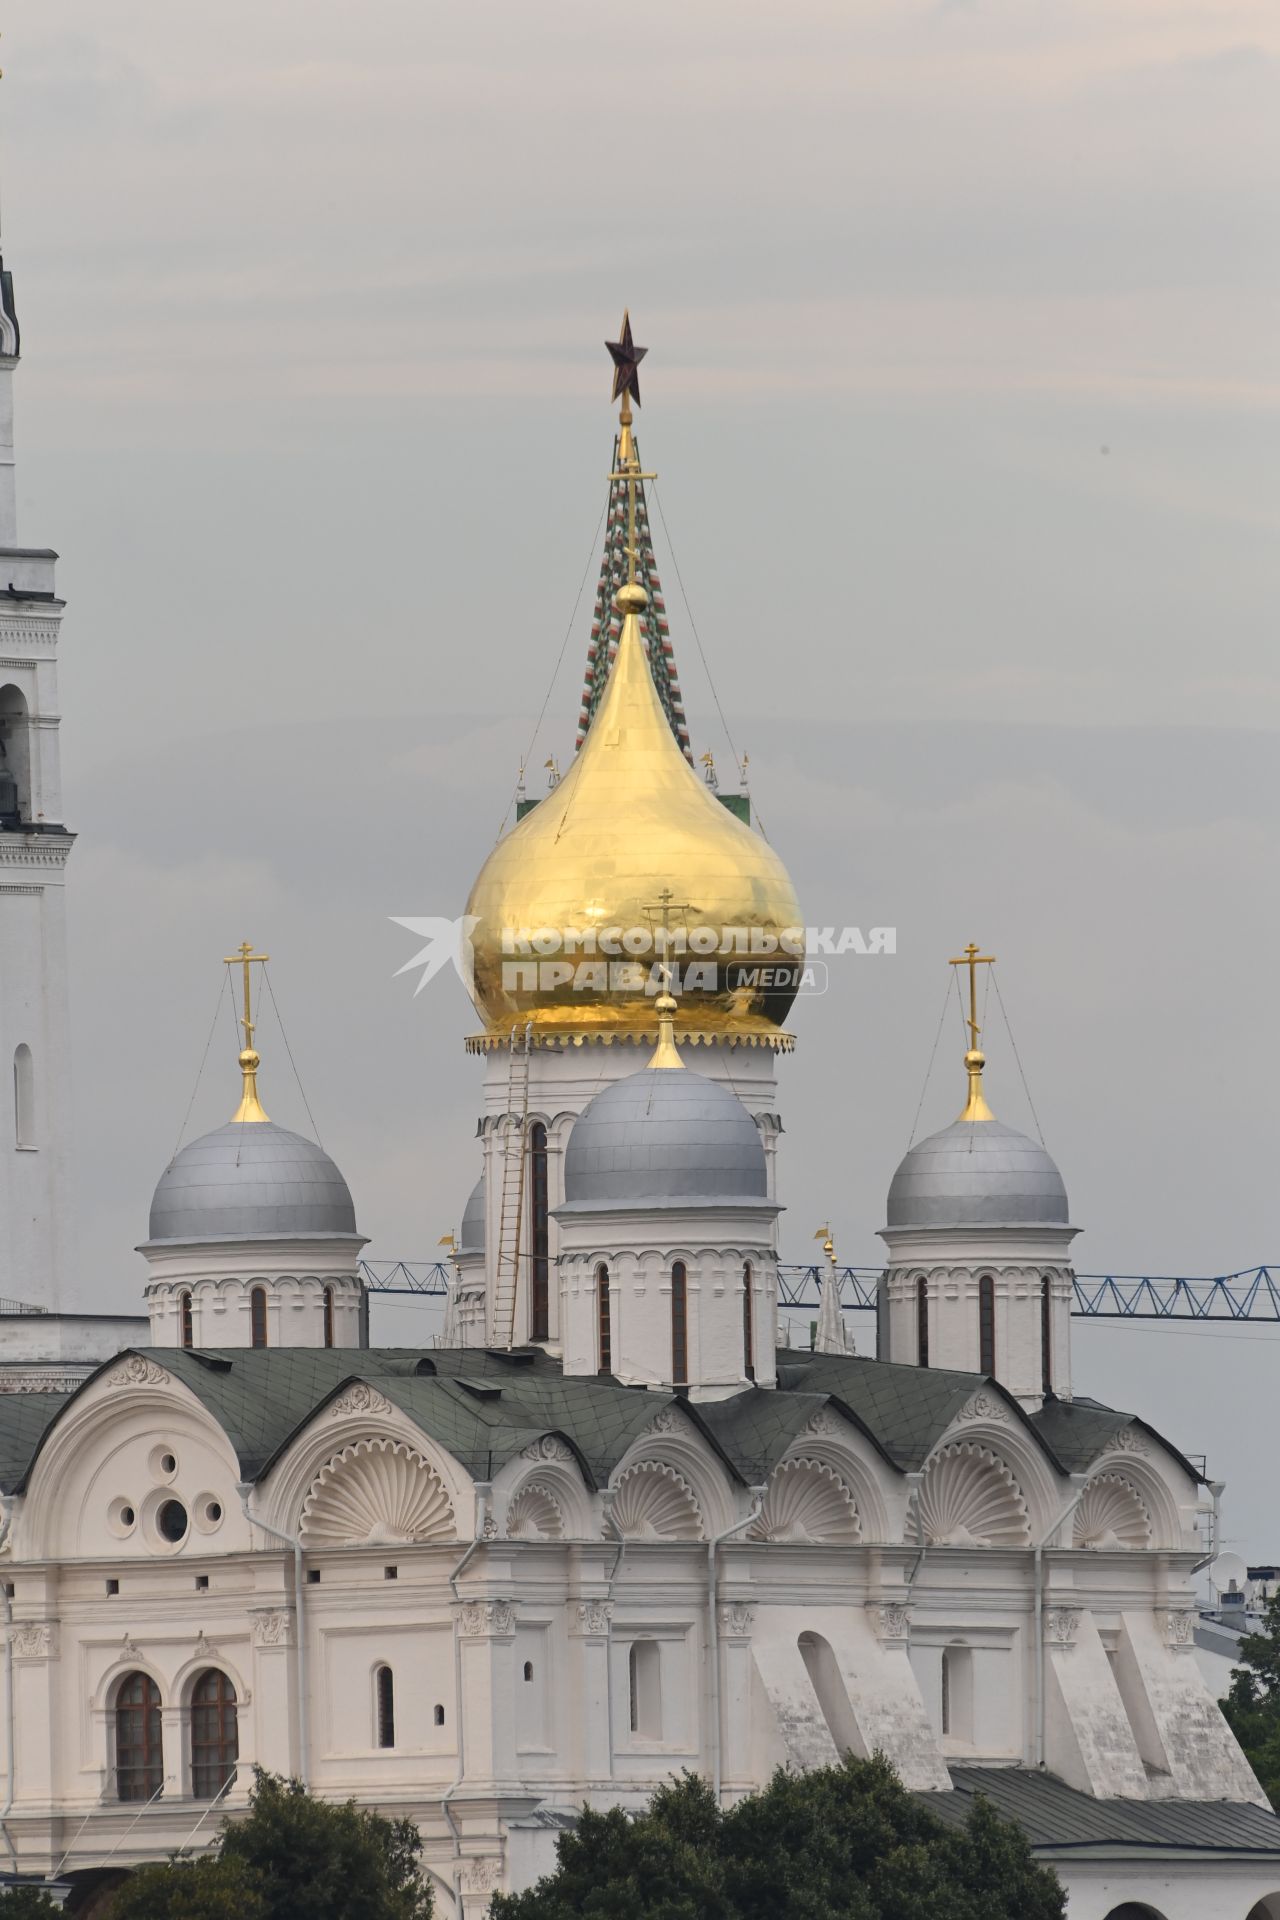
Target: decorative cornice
(592, 1618)
(891, 1622)
(735, 1621)
(272, 1626)
(35, 850)
(35, 1640)
(486, 1619)
(1061, 1625)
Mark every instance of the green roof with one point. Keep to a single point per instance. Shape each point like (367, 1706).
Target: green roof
(1057, 1819)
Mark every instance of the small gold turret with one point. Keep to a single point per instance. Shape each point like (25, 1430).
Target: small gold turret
(976, 1107)
(250, 1108)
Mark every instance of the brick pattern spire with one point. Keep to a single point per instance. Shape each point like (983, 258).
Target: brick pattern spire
(606, 622)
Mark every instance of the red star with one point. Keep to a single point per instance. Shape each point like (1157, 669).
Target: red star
(626, 362)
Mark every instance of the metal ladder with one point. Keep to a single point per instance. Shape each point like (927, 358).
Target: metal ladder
(514, 1146)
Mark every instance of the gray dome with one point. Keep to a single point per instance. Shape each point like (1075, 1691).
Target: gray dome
(246, 1181)
(664, 1137)
(471, 1232)
(977, 1173)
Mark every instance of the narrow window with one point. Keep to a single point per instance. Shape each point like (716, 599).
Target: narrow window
(956, 1702)
(258, 1316)
(986, 1324)
(679, 1324)
(528, 1669)
(539, 1288)
(328, 1317)
(1046, 1335)
(748, 1324)
(644, 1684)
(139, 1748)
(386, 1704)
(604, 1330)
(946, 1690)
(439, 1715)
(188, 1328)
(24, 1097)
(215, 1735)
(922, 1321)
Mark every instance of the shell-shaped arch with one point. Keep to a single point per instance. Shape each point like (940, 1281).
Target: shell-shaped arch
(535, 1514)
(1111, 1514)
(807, 1501)
(374, 1492)
(654, 1502)
(969, 1498)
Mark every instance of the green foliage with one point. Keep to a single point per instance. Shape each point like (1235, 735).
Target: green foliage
(27, 1903)
(840, 1843)
(291, 1857)
(1252, 1705)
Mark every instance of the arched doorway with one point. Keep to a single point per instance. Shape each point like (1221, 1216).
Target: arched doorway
(1268, 1908)
(1134, 1910)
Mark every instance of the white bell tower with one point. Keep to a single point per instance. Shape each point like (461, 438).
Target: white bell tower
(37, 1237)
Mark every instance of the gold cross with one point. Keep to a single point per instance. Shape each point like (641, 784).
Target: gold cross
(972, 959)
(247, 958)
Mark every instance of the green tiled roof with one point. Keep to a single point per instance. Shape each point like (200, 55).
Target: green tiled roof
(903, 1410)
(1077, 1431)
(24, 1420)
(1057, 1819)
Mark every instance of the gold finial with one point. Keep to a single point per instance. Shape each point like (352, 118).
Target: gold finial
(828, 1244)
(976, 1107)
(250, 1107)
(666, 1053)
(448, 1240)
(627, 356)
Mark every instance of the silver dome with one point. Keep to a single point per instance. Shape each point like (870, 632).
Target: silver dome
(663, 1137)
(471, 1233)
(246, 1181)
(977, 1173)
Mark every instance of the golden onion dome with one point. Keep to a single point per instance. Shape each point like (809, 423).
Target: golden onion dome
(569, 910)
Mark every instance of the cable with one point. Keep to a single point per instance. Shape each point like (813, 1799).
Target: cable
(1013, 1043)
(929, 1069)
(266, 974)
(555, 673)
(200, 1070)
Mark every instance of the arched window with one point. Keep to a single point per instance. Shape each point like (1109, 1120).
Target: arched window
(24, 1097)
(604, 1328)
(922, 1321)
(748, 1322)
(957, 1693)
(539, 1286)
(188, 1332)
(679, 1324)
(385, 1703)
(258, 1316)
(215, 1734)
(328, 1317)
(644, 1688)
(438, 1715)
(15, 756)
(139, 1743)
(1046, 1335)
(986, 1324)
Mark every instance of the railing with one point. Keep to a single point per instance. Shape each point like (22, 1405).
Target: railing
(1253, 1294)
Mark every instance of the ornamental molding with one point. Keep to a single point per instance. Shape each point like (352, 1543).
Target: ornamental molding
(534, 1514)
(1111, 1515)
(481, 1874)
(593, 1617)
(36, 1381)
(486, 1619)
(1128, 1440)
(665, 1422)
(653, 1502)
(1179, 1629)
(360, 1398)
(489, 1531)
(377, 1492)
(35, 1640)
(891, 1621)
(969, 1498)
(272, 1626)
(1061, 1625)
(984, 1406)
(735, 1621)
(548, 1448)
(822, 1422)
(137, 1372)
(128, 1649)
(16, 850)
(807, 1501)
(203, 1649)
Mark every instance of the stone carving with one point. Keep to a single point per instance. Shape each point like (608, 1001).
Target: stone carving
(377, 1492)
(665, 1422)
(1179, 1629)
(806, 1501)
(35, 1640)
(359, 1397)
(481, 1874)
(969, 1498)
(535, 1514)
(984, 1406)
(892, 1621)
(486, 1617)
(548, 1448)
(822, 1422)
(272, 1627)
(1111, 1514)
(129, 1649)
(1129, 1440)
(489, 1531)
(204, 1649)
(654, 1502)
(1061, 1625)
(735, 1620)
(135, 1371)
(594, 1616)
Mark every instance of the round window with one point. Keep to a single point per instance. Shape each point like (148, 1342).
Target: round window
(122, 1516)
(171, 1521)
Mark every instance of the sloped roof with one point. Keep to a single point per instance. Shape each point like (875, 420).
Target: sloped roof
(904, 1410)
(25, 1418)
(1057, 1819)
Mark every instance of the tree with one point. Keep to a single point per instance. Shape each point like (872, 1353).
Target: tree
(839, 1843)
(1252, 1705)
(28, 1903)
(291, 1857)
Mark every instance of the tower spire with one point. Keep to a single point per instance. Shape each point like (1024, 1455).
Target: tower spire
(250, 1108)
(629, 560)
(976, 1107)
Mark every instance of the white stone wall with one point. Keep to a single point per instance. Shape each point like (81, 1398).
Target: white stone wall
(220, 1277)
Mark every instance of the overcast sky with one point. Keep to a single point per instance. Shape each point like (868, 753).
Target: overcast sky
(962, 385)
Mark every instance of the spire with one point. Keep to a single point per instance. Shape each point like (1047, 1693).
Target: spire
(250, 1108)
(976, 1107)
(831, 1336)
(638, 565)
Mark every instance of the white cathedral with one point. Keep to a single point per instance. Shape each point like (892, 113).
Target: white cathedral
(607, 1529)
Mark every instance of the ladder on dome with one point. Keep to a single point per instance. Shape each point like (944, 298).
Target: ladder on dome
(515, 1140)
